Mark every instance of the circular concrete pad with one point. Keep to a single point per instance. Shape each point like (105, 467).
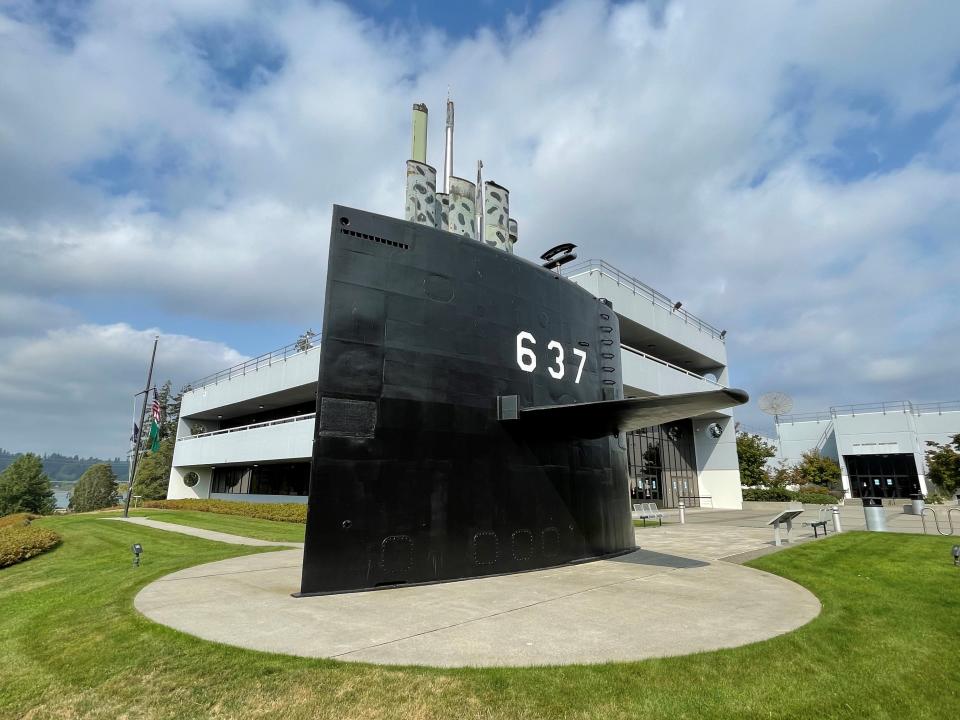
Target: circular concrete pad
(642, 605)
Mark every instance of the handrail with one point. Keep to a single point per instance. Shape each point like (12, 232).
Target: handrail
(903, 406)
(803, 417)
(295, 418)
(254, 364)
(641, 288)
(670, 365)
(939, 407)
(823, 437)
(895, 406)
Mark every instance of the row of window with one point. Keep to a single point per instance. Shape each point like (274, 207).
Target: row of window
(889, 476)
(273, 479)
(662, 467)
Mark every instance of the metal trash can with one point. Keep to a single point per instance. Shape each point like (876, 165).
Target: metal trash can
(873, 514)
(916, 500)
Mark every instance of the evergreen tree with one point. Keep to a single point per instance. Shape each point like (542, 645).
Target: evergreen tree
(153, 472)
(25, 488)
(96, 489)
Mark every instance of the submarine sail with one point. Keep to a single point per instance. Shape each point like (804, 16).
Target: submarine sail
(470, 409)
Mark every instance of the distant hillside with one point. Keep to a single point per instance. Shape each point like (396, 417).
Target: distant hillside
(64, 470)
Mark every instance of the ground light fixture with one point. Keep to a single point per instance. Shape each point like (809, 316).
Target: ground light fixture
(137, 549)
(956, 555)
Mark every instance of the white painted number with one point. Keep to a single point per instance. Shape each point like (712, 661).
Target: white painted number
(583, 358)
(525, 357)
(558, 373)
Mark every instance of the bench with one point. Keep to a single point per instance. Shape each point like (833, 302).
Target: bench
(820, 522)
(647, 511)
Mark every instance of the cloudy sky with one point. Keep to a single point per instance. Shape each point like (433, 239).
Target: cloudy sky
(789, 170)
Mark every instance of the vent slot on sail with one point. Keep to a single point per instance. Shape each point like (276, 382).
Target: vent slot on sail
(374, 238)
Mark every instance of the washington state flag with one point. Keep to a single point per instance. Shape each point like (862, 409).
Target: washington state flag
(155, 424)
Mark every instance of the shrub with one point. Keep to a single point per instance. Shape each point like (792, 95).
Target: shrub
(816, 498)
(768, 494)
(281, 512)
(813, 488)
(819, 497)
(21, 542)
(17, 519)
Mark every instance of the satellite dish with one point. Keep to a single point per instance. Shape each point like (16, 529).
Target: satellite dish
(775, 403)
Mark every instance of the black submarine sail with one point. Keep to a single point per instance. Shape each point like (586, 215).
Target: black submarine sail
(470, 409)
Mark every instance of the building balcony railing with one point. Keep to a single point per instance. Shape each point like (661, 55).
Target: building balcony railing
(639, 287)
(261, 361)
(879, 408)
(241, 428)
(679, 369)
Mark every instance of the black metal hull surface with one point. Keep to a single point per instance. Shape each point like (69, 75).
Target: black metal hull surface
(414, 477)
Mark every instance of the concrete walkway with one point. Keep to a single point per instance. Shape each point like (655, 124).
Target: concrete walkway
(671, 598)
(201, 533)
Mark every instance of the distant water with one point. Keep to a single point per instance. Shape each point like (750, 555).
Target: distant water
(62, 497)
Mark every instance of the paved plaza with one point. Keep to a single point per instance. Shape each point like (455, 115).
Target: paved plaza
(588, 613)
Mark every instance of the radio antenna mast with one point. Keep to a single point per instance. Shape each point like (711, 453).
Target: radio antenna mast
(448, 146)
(479, 201)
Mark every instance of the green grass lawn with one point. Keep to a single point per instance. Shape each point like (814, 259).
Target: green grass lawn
(233, 524)
(72, 646)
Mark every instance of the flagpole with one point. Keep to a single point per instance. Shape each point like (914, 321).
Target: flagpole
(133, 439)
(143, 413)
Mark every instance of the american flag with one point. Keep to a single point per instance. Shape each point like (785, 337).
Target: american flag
(156, 408)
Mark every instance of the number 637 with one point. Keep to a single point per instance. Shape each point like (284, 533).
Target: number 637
(527, 359)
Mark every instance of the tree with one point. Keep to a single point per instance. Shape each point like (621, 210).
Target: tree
(96, 489)
(752, 453)
(817, 469)
(25, 488)
(943, 464)
(783, 474)
(153, 472)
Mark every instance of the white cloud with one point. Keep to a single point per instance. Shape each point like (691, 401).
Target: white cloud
(685, 148)
(71, 390)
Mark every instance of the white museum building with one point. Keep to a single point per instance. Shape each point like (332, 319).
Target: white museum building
(881, 447)
(246, 433)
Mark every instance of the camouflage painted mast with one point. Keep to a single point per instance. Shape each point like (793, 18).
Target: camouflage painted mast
(470, 406)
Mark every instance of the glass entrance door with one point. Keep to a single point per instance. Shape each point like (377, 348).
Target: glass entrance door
(662, 465)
